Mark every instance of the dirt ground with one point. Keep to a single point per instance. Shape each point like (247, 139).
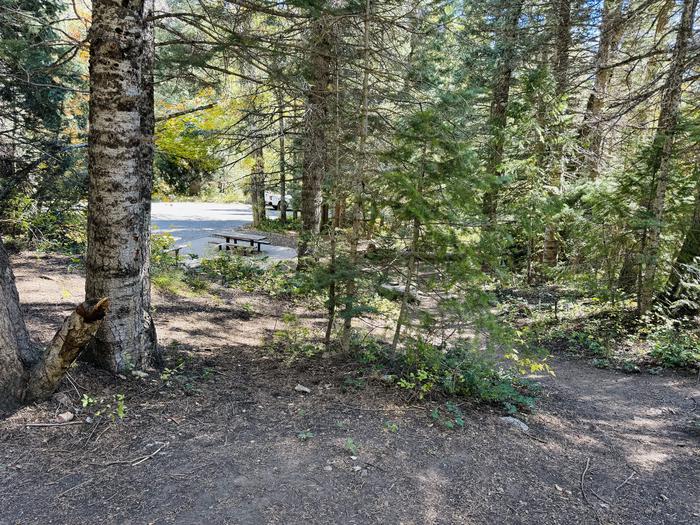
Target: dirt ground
(227, 439)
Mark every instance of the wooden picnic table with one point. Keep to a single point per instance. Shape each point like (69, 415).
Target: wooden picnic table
(239, 236)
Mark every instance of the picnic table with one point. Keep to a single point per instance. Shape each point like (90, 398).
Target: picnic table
(239, 236)
(176, 251)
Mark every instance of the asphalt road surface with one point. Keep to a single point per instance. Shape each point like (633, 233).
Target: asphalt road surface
(192, 223)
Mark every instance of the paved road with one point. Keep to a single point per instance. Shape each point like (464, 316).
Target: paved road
(192, 223)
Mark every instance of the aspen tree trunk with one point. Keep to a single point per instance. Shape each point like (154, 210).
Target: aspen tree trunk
(26, 374)
(591, 133)
(16, 352)
(358, 184)
(660, 162)
(506, 39)
(120, 155)
(314, 140)
(562, 46)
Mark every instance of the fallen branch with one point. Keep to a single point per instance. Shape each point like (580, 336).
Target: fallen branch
(146, 458)
(625, 482)
(583, 476)
(133, 462)
(73, 488)
(68, 423)
(535, 438)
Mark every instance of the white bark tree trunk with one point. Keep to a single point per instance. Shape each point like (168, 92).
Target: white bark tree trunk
(120, 159)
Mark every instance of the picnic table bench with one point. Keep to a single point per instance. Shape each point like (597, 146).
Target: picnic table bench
(232, 239)
(176, 249)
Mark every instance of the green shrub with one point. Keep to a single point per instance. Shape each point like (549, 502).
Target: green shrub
(676, 349)
(46, 228)
(275, 226)
(161, 257)
(461, 370)
(294, 339)
(229, 268)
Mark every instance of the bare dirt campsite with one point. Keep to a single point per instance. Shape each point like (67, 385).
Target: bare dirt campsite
(397, 262)
(227, 439)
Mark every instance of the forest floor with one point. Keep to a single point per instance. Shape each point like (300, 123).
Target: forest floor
(225, 437)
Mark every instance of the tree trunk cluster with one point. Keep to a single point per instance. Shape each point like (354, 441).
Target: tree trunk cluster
(26, 374)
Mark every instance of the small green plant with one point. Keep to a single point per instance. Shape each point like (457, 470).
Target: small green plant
(353, 383)
(601, 363)
(168, 373)
(589, 343)
(295, 340)
(305, 435)
(87, 401)
(448, 417)
(161, 255)
(230, 268)
(390, 426)
(275, 226)
(114, 409)
(120, 408)
(351, 446)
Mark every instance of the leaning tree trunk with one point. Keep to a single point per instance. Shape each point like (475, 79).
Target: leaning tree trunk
(25, 373)
(660, 161)
(688, 254)
(314, 139)
(591, 132)
(120, 154)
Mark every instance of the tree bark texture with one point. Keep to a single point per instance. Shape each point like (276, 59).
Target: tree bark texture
(120, 156)
(314, 138)
(660, 161)
(358, 185)
(283, 160)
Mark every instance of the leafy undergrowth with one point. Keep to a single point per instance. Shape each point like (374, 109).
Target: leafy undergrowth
(422, 371)
(610, 337)
(461, 371)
